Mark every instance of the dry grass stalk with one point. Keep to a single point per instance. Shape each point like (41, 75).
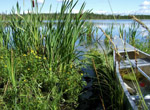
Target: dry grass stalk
(6, 86)
(98, 83)
(141, 23)
(110, 41)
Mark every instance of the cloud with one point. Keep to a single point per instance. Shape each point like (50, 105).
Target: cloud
(75, 11)
(144, 8)
(26, 12)
(40, 1)
(137, 12)
(62, 0)
(100, 12)
(143, 12)
(145, 3)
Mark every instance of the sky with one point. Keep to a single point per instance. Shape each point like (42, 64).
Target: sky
(123, 7)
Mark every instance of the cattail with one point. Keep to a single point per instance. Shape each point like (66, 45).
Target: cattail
(81, 16)
(32, 3)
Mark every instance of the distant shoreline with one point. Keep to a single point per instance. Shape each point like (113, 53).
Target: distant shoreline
(89, 16)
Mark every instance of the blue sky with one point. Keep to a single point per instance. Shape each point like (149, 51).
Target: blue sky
(97, 6)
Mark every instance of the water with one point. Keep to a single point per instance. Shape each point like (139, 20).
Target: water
(104, 24)
(124, 24)
(88, 92)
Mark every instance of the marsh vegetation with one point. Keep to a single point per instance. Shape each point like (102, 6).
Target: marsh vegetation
(40, 64)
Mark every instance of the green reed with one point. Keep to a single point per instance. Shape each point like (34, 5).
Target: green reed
(109, 31)
(133, 33)
(40, 59)
(106, 82)
(132, 39)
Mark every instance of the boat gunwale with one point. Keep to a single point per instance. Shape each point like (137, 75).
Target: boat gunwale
(116, 66)
(132, 103)
(138, 66)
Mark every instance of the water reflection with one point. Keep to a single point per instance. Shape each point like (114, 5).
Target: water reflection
(124, 24)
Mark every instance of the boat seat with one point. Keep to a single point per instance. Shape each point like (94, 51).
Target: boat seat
(140, 62)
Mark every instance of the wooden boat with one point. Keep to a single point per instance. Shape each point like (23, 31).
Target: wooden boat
(132, 67)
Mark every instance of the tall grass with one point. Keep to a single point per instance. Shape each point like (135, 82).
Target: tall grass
(39, 60)
(110, 93)
(109, 31)
(132, 34)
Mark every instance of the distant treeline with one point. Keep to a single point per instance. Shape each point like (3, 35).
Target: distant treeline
(103, 16)
(88, 16)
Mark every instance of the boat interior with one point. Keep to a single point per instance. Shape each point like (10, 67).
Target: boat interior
(132, 76)
(133, 66)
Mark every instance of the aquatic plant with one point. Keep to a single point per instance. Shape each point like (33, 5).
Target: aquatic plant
(133, 33)
(39, 60)
(142, 101)
(146, 44)
(109, 32)
(121, 31)
(106, 82)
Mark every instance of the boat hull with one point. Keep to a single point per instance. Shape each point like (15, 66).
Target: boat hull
(126, 57)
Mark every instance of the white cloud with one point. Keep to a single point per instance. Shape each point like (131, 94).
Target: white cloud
(144, 8)
(143, 12)
(146, 3)
(27, 12)
(75, 11)
(100, 12)
(62, 0)
(40, 1)
(137, 12)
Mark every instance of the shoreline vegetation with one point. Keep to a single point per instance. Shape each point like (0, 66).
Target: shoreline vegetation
(41, 66)
(88, 16)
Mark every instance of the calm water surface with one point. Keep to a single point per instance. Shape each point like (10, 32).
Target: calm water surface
(88, 94)
(124, 24)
